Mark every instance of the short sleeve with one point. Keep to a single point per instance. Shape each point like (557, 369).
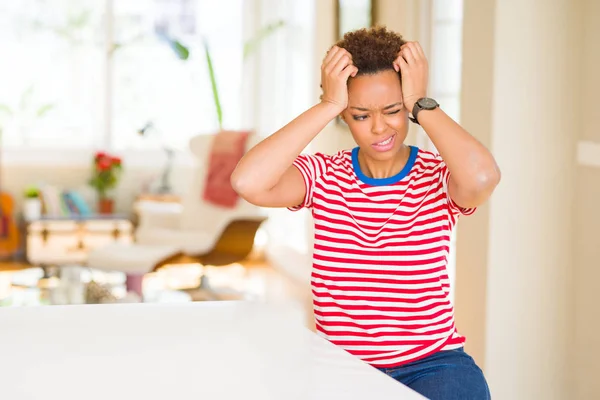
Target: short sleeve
(454, 208)
(312, 167)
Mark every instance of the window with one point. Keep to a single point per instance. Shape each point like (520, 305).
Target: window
(152, 85)
(445, 57)
(352, 15)
(90, 73)
(445, 62)
(446, 54)
(285, 57)
(52, 74)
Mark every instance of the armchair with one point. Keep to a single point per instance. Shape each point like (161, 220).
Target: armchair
(193, 231)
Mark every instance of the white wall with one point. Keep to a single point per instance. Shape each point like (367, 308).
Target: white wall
(533, 136)
(472, 233)
(520, 96)
(584, 346)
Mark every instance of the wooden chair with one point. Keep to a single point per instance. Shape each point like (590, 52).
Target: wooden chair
(234, 245)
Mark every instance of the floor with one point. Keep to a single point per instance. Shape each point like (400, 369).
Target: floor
(24, 285)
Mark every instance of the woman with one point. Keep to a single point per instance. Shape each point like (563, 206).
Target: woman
(383, 211)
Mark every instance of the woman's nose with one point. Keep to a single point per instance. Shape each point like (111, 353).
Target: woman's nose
(379, 125)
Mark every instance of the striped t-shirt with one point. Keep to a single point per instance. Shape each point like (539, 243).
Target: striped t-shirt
(379, 280)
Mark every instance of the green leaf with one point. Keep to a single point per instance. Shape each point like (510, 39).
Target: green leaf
(79, 20)
(4, 109)
(63, 32)
(181, 51)
(262, 34)
(26, 98)
(118, 45)
(213, 83)
(43, 110)
(31, 192)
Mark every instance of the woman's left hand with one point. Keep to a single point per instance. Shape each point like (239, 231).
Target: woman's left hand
(412, 65)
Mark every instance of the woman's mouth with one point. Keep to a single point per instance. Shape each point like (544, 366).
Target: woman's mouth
(386, 144)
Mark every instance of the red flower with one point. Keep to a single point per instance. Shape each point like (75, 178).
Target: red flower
(106, 171)
(104, 164)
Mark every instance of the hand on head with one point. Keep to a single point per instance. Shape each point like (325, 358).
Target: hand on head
(337, 67)
(411, 63)
(413, 67)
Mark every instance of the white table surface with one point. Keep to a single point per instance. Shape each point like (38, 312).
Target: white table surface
(221, 350)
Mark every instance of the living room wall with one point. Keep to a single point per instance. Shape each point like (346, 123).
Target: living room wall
(586, 213)
(527, 261)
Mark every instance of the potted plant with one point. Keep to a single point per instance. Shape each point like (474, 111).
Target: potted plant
(32, 206)
(106, 171)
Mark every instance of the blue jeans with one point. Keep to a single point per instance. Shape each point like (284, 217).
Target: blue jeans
(448, 375)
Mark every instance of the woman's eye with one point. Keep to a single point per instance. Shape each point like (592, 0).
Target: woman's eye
(363, 117)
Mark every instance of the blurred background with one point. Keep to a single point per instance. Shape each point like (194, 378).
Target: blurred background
(121, 121)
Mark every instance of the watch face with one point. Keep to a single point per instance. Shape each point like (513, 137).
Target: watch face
(427, 103)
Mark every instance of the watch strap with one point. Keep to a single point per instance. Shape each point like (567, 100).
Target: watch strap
(417, 107)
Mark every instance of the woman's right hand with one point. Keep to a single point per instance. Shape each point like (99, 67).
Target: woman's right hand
(266, 176)
(337, 67)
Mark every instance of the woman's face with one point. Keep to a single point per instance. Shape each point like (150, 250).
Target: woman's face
(376, 115)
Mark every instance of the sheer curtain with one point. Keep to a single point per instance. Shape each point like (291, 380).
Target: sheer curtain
(445, 61)
(52, 74)
(151, 84)
(280, 88)
(83, 74)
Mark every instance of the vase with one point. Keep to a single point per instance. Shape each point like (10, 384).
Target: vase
(105, 205)
(32, 209)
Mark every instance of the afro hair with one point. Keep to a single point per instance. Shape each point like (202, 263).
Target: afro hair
(372, 49)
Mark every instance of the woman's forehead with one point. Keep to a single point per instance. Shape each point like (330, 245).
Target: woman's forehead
(376, 90)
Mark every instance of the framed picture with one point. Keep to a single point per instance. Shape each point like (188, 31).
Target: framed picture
(353, 14)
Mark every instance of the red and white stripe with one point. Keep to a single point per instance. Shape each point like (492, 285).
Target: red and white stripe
(379, 280)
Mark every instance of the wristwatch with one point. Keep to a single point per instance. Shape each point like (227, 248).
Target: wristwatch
(424, 103)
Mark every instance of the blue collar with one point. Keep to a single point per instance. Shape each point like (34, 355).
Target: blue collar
(384, 181)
